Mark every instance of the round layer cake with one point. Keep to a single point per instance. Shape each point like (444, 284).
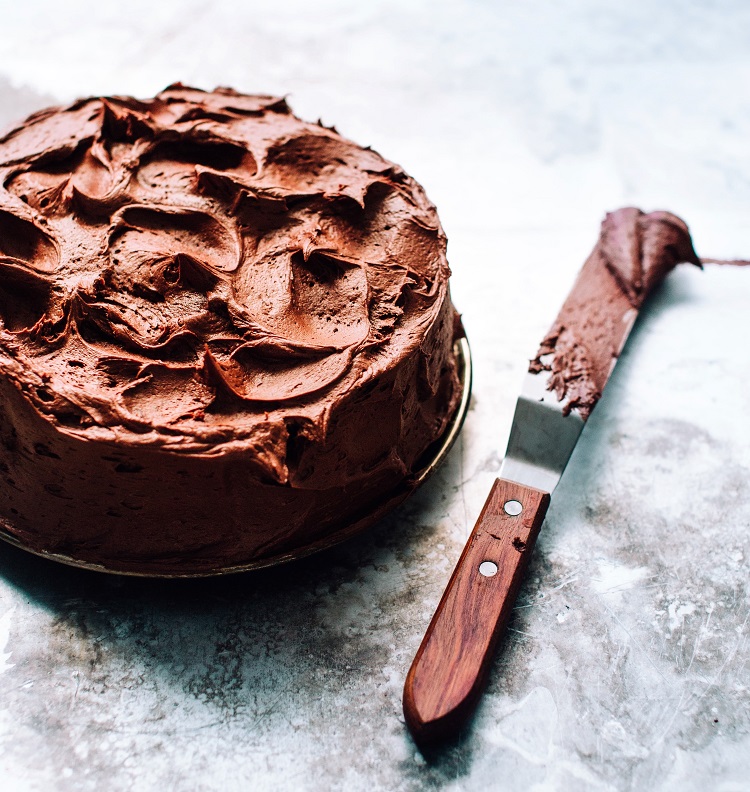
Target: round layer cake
(225, 334)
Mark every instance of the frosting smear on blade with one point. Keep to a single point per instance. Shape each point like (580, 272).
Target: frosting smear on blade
(634, 253)
(202, 275)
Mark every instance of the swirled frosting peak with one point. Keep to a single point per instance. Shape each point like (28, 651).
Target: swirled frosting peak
(179, 265)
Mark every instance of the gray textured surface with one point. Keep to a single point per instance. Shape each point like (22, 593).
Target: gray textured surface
(627, 663)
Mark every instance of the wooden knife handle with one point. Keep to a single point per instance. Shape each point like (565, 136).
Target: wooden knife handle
(450, 668)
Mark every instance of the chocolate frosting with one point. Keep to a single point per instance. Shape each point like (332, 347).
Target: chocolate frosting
(202, 276)
(633, 254)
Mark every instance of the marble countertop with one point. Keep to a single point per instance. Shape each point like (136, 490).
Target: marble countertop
(626, 665)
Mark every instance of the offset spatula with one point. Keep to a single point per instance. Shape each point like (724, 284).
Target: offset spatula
(633, 254)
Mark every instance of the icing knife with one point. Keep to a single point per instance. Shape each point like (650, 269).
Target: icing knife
(565, 380)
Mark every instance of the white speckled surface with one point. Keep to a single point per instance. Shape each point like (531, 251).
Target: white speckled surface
(627, 663)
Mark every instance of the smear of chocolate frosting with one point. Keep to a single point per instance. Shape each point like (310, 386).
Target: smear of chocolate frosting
(634, 253)
(203, 276)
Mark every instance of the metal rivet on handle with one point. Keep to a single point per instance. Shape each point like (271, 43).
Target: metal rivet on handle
(488, 568)
(513, 508)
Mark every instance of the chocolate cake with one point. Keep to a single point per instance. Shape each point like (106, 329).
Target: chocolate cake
(225, 334)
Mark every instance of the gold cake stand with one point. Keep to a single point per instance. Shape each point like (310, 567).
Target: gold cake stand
(431, 460)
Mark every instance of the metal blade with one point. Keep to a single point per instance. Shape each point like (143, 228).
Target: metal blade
(571, 369)
(541, 437)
